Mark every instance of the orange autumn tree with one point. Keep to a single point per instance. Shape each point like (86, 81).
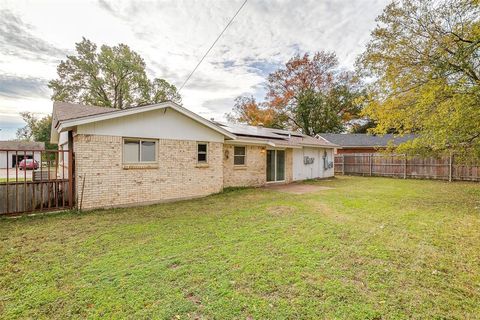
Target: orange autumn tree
(310, 94)
(248, 110)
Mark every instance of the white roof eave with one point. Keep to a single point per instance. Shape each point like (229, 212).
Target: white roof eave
(250, 142)
(318, 146)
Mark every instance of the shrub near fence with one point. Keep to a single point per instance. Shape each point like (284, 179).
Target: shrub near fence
(402, 166)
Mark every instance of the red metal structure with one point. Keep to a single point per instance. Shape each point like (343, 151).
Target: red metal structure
(46, 185)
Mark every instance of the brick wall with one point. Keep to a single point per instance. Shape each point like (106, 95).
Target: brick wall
(252, 174)
(176, 176)
(288, 165)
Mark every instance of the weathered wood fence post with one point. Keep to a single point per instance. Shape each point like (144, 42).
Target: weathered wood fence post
(370, 163)
(405, 167)
(450, 167)
(343, 164)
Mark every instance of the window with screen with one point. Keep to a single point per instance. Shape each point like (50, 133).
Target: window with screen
(202, 150)
(239, 154)
(139, 150)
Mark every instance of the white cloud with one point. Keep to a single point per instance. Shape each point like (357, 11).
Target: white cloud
(173, 35)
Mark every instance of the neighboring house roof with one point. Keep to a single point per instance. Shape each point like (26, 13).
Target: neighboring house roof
(365, 140)
(69, 115)
(22, 145)
(274, 137)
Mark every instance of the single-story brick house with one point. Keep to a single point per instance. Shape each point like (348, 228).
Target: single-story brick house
(165, 152)
(12, 152)
(363, 143)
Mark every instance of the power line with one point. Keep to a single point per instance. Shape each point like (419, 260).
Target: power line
(213, 44)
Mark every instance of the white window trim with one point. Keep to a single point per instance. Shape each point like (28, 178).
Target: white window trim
(244, 156)
(140, 155)
(206, 153)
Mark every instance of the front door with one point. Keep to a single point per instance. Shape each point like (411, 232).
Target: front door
(275, 165)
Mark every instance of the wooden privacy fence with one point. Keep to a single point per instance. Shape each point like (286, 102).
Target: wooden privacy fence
(42, 182)
(402, 166)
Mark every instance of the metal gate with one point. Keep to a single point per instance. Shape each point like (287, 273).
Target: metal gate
(34, 181)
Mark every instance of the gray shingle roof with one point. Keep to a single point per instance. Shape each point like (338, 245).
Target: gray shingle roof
(22, 145)
(66, 111)
(365, 140)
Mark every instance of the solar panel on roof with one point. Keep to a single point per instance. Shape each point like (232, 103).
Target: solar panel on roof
(258, 131)
(251, 131)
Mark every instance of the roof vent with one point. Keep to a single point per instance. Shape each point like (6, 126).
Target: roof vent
(260, 125)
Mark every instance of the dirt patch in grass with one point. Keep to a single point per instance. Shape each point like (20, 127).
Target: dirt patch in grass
(327, 211)
(281, 210)
(297, 188)
(194, 299)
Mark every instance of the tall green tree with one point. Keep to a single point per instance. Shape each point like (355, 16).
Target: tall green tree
(112, 77)
(36, 129)
(328, 110)
(314, 113)
(310, 93)
(424, 59)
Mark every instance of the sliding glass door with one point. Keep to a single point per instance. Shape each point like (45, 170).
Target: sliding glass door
(280, 170)
(275, 165)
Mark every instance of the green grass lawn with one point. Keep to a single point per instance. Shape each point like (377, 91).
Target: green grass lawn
(369, 248)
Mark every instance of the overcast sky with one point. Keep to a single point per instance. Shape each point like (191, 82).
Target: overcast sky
(172, 36)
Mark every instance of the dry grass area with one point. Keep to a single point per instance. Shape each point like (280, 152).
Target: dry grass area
(367, 248)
